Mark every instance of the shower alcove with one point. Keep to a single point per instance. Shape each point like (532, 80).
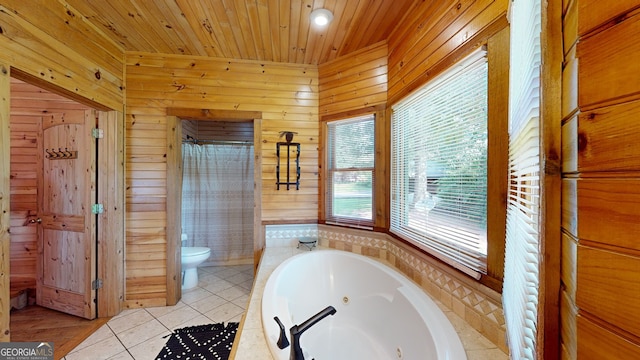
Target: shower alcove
(234, 132)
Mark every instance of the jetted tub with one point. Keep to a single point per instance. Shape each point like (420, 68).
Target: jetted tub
(380, 314)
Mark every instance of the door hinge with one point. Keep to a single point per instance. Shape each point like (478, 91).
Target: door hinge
(97, 209)
(96, 284)
(97, 133)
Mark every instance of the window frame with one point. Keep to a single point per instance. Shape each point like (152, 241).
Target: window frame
(497, 46)
(331, 170)
(426, 130)
(380, 183)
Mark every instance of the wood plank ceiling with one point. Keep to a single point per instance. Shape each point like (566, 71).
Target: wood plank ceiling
(265, 30)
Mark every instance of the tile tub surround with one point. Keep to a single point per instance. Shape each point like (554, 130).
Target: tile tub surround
(476, 304)
(251, 344)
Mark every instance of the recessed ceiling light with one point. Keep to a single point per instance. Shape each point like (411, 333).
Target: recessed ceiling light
(321, 17)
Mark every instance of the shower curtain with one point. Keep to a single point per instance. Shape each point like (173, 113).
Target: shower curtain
(217, 200)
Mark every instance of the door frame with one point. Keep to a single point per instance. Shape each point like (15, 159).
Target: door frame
(111, 223)
(174, 181)
(111, 231)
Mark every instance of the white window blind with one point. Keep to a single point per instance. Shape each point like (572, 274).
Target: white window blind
(439, 166)
(350, 174)
(520, 287)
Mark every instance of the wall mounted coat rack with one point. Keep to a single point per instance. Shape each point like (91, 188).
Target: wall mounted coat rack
(288, 145)
(53, 154)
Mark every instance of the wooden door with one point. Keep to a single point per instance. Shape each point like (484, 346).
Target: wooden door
(67, 231)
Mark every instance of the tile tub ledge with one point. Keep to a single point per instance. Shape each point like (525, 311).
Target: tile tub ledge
(251, 344)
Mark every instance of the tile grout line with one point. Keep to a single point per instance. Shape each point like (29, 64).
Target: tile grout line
(120, 341)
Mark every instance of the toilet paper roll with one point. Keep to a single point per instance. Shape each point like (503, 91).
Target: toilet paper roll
(183, 237)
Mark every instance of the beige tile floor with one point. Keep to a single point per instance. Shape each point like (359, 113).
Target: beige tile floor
(221, 296)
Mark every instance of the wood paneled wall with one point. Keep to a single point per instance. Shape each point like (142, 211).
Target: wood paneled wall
(285, 94)
(601, 162)
(53, 46)
(218, 130)
(24, 204)
(354, 82)
(435, 34)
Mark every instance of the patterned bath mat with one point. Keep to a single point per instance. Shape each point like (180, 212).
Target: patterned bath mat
(211, 341)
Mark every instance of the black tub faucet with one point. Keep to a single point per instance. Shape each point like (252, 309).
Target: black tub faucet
(282, 339)
(297, 330)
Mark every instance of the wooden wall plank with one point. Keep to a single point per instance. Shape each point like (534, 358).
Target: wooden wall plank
(570, 146)
(222, 131)
(594, 13)
(608, 212)
(5, 298)
(569, 272)
(570, 27)
(214, 115)
(597, 342)
(612, 78)
(604, 136)
(608, 282)
(568, 327)
(570, 84)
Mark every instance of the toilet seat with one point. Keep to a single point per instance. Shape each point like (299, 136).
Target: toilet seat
(194, 251)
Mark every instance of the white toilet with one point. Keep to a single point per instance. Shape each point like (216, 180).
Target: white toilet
(190, 259)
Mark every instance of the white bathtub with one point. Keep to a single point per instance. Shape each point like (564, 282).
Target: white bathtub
(380, 313)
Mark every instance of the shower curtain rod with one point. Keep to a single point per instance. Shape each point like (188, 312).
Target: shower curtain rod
(216, 142)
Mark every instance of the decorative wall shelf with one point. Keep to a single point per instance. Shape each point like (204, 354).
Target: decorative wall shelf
(288, 182)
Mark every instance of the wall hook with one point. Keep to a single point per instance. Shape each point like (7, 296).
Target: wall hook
(66, 154)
